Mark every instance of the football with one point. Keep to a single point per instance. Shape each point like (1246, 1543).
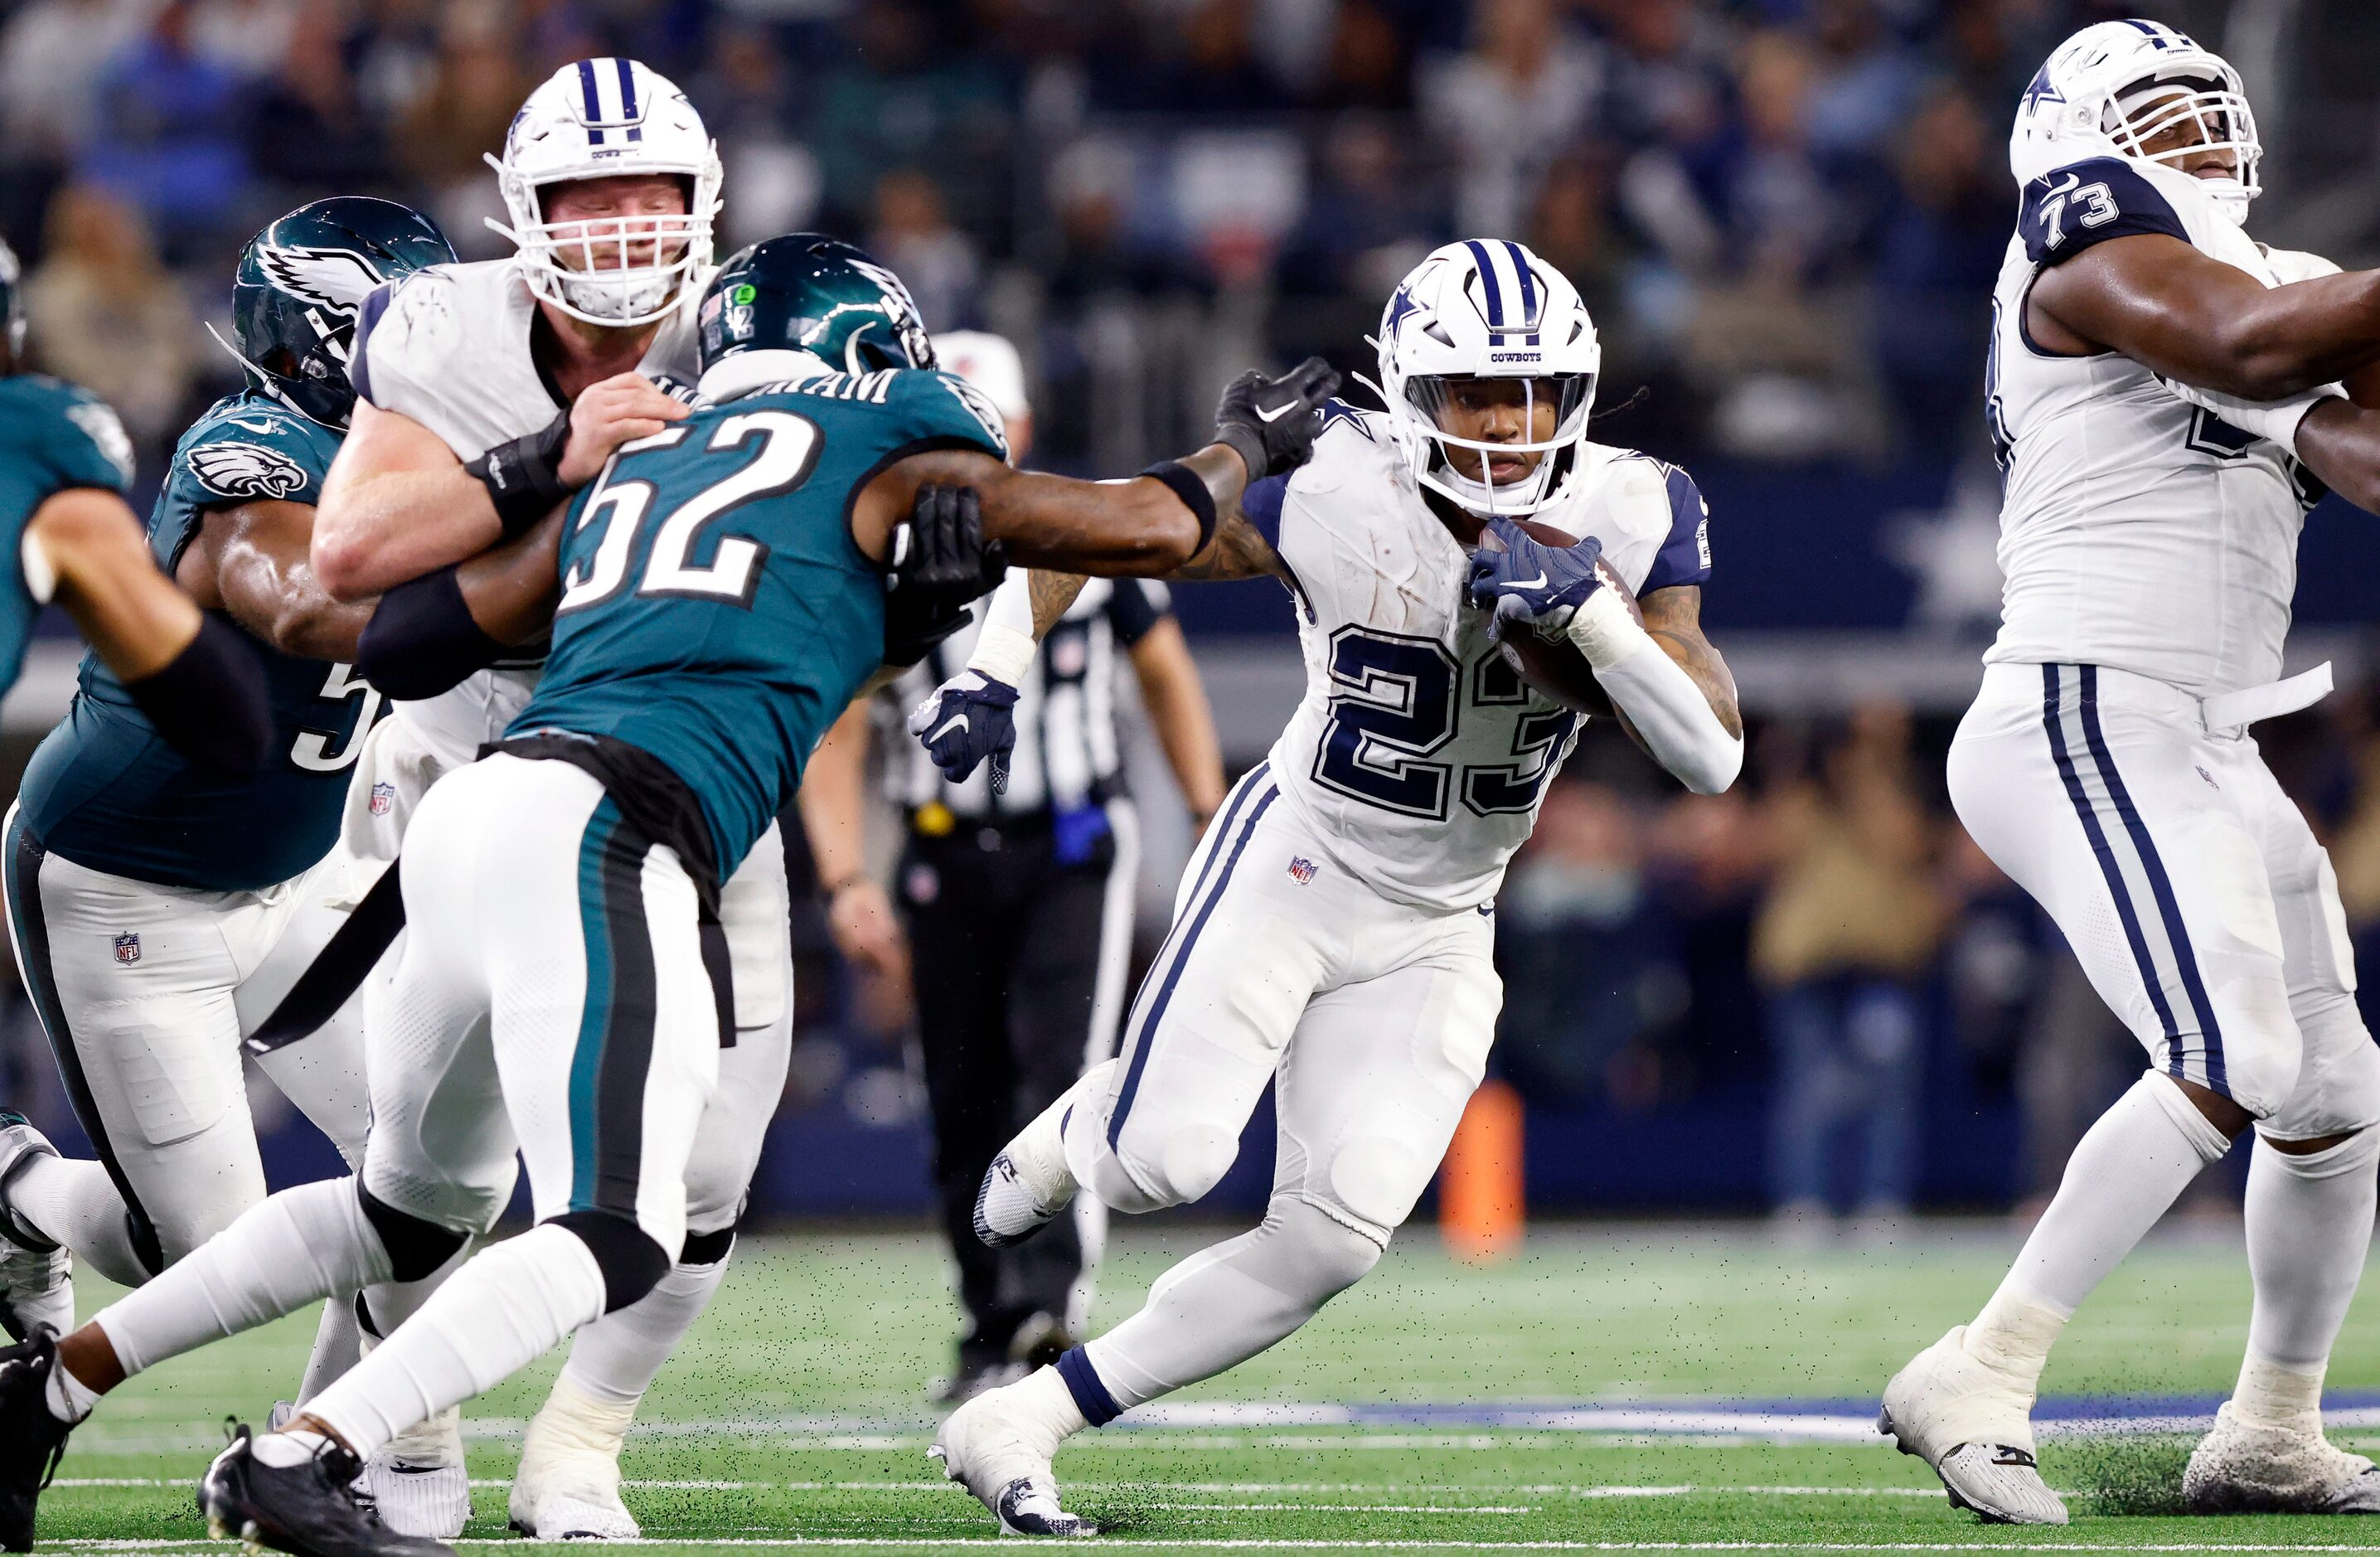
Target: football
(1553, 664)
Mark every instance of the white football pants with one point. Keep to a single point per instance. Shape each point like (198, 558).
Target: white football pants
(397, 768)
(550, 997)
(2188, 886)
(1372, 1018)
(145, 992)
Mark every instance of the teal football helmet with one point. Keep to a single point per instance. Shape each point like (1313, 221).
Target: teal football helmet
(301, 285)
(808, 292)
(12, 310)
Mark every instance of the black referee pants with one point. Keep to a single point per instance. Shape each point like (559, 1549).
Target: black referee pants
(1009, 947)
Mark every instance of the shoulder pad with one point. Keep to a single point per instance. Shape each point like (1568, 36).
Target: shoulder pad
(980, 406)
(2065, 212)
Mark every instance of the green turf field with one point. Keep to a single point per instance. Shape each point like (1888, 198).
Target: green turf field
(797, 1414)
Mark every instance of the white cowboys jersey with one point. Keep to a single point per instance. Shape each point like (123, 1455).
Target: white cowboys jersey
(449, 346)
(1418, 756)
(2137, 530)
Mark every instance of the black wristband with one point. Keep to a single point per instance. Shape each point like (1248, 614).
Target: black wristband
(1249, 446)
(1193, 493)
(421, 639)
(524, 477)
(209, 702)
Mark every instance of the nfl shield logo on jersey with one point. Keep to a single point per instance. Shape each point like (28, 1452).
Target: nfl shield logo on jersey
(128, 948)
(1301, 869)
(384, 797)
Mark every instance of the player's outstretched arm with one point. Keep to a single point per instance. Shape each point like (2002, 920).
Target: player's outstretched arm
(2162, 303)
(201, 687)
(255, 561)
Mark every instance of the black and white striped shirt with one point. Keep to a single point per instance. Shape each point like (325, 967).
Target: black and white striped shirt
(1068, 753)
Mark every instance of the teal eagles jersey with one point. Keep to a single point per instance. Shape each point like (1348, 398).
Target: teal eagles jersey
(715, 612)
(54, 437)
(105, 791)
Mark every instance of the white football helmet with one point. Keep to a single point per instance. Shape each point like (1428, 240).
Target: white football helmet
(2116, 86)
(601, 118)
(1487, 309)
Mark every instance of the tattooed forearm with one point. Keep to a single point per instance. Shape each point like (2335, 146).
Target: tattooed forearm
(1238, 551)
(1673, 616)
(1051, 593)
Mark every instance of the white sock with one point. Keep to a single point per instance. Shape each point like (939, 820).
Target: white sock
(336, 1342)
(286, 1251)
(508, 1306)
(616, 1357)
(2126, 1173)
(70, 1398)
(2015, 1332)
(2309, 1224)
(2272, 1395)
(73, 1202)
(285, 1449)
(1223, 1305)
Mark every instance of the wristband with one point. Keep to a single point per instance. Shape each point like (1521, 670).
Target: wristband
(1003, 655)
(1193, 493)
(524, 477)
(1244, 441)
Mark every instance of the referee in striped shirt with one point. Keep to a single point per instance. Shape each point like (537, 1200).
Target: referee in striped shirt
(1018, 905)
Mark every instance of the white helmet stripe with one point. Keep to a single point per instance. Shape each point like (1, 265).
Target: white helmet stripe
(608, 92)
(1528, 290)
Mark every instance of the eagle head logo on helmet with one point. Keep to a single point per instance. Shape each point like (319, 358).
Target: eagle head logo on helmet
(1487, 312)
(605, 118)
(2141, 90)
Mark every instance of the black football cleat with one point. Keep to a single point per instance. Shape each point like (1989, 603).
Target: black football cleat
(31, 1439)
(309, 1509)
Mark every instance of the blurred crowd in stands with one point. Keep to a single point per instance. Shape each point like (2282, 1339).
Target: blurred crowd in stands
(1785, 213)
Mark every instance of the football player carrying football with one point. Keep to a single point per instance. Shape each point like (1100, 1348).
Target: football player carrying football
(1332, 933)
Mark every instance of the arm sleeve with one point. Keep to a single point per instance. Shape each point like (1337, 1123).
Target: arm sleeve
(422, 639)
(1135, 605)
(2088, 203)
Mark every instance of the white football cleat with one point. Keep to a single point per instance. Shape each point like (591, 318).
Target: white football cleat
(995, 1448)
(1973, 1424)
(2243, 1469)
(1028, 1184)
(418, 1480)
(36, 1276)
(567, 1486)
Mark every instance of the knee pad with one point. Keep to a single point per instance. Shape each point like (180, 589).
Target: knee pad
(632, 1263)
(1183, 1167)
(1326, 1253)
(2337, 1087)
(416, 1249)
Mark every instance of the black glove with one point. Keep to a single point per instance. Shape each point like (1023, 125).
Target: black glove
(1269, 422)
(940, 564)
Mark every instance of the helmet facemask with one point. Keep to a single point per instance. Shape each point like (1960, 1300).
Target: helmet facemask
(2198, 115)
(1561, 401)
(617, 271)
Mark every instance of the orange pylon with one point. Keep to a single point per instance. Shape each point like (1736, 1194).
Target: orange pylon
(1482, 1201)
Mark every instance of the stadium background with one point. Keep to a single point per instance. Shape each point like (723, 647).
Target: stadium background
(1785, 215)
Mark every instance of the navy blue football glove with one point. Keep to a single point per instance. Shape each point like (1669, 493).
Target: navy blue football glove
(1531, 584)
(969, 718)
